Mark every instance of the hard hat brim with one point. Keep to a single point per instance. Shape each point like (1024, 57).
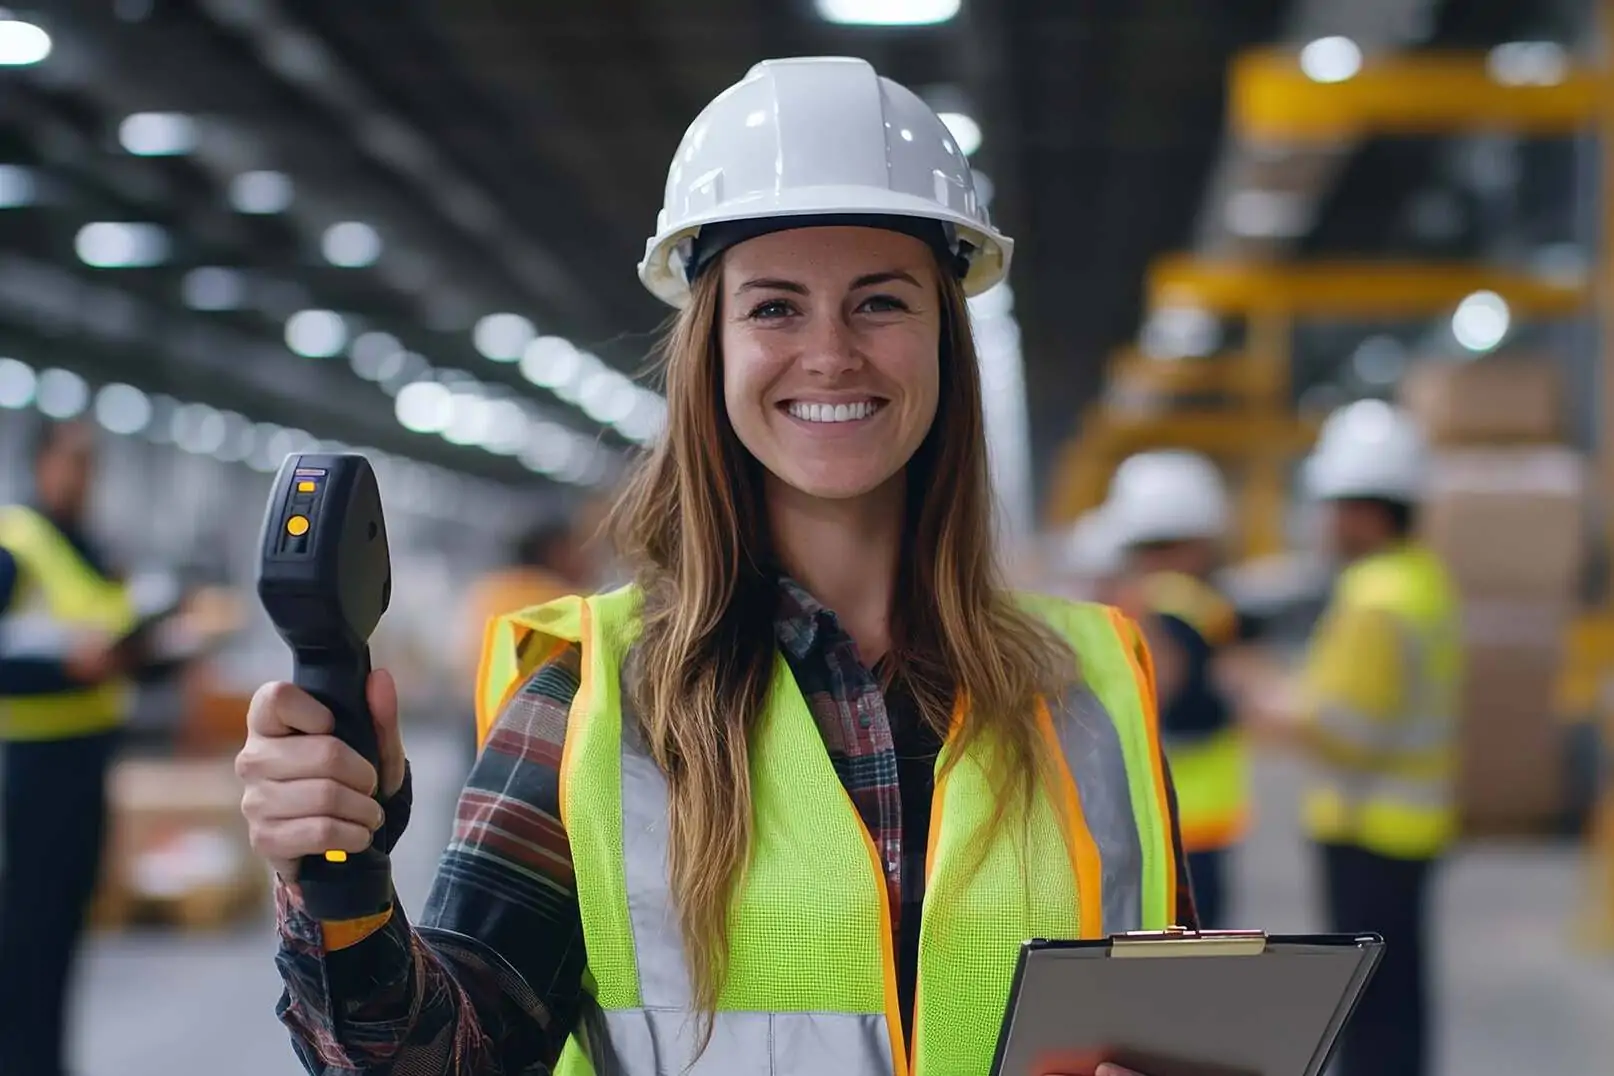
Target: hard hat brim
(662, 273)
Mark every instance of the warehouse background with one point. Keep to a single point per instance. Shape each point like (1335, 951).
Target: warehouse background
(233, 229)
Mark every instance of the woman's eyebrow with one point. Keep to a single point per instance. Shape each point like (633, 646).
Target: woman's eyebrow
(772, 284)
(885, 277)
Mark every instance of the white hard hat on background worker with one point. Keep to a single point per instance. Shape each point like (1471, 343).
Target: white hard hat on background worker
(758, 153)
(1368, 450)
(1090, 547)
(1167, 496)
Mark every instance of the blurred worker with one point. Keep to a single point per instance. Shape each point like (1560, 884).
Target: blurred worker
(1379, 710)
(731, 817)
(63, 695)
(1168, 511)
(548, 562)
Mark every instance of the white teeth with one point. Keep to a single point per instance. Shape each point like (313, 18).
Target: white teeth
(821, 412)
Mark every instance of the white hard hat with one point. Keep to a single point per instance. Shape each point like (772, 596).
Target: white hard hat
(819, 137)
(1368, 449)
(1091, 549)
(1167, 496)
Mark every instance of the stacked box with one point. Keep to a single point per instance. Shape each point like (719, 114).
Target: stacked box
(1506, 513)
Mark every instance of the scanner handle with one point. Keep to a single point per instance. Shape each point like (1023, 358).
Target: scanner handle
(340, 885)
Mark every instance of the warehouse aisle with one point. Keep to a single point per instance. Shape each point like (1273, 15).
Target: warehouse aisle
(170, 1005)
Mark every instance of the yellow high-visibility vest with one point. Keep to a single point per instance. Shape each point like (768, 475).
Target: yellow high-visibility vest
(58, 597)
(1210, 772)
(1384, 779)
(812, 975)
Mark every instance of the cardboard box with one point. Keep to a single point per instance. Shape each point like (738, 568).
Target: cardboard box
(1501, 398)
(1511, 772)
(176, 829)
(1509, 522)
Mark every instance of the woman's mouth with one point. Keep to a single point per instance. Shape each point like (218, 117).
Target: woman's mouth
(823, 412)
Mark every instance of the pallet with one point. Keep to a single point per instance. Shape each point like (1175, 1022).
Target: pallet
(206, 908)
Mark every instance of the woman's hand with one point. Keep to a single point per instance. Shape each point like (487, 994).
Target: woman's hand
(307, 791)
(1108, 1068)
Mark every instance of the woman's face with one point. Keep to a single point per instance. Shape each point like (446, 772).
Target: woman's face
(831, 340)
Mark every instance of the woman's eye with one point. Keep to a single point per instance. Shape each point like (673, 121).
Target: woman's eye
(882, 304)
(770, 310)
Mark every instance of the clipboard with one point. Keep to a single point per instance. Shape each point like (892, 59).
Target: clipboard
(1184, 1003)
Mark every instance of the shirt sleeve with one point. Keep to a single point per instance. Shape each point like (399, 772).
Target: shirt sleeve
(491, 980)
(26, 674)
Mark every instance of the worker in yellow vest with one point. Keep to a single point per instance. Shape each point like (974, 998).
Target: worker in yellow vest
(792, 800)
(1168, 512)
(62, 700)
(1378, 719)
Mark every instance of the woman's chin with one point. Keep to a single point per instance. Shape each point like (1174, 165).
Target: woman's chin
(846, 482)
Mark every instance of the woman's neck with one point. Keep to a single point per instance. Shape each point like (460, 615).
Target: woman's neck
(845, 553)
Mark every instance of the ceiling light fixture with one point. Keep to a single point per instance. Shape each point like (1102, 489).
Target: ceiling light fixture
(157, 134)
(117, 245)
(22, 44)
(888, 12)
(262, 192)
(1481, 321)
(316, 334)
(1331, 59)
(351, 244)
(503, 337)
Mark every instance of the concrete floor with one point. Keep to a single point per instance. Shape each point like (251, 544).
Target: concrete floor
(1513, 997)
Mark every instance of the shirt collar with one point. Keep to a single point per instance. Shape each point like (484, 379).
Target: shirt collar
(799, 618)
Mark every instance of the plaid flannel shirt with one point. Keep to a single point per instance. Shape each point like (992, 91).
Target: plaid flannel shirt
(490, 981)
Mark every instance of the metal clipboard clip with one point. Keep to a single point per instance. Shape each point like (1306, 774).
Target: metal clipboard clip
(1179, 941)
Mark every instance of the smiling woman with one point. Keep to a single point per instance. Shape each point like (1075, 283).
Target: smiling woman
(792, 800)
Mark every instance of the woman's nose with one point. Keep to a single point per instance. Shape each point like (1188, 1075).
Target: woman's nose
(831, 349)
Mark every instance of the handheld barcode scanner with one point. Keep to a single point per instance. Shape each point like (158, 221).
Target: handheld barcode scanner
(325, 580)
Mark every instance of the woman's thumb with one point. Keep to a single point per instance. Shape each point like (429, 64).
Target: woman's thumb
(382, 694)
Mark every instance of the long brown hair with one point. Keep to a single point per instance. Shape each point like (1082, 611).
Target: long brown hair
(693, 522)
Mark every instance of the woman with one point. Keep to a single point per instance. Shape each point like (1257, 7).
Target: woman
(715, 822)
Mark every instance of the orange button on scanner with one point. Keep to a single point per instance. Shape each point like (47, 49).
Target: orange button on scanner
(297, 526)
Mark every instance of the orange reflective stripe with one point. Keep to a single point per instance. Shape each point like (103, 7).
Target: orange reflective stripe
(888, 955)
(1086, 867)
(1143, 668)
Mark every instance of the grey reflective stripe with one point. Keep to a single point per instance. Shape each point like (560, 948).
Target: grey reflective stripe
(1359, 789)
(1425, 726)
(664, 980)
(36, 634)
(1092, 749)
(1380, 736)
(656, 1042)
